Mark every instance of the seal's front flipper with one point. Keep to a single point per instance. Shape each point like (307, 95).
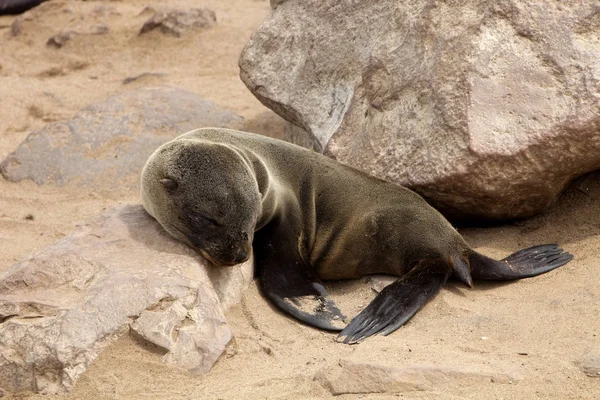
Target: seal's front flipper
(289, 281)
(522, 264)
(303, 296)
(395, 305)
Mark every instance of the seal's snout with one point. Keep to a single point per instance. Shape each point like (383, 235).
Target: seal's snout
(241, 256)
(236, 255)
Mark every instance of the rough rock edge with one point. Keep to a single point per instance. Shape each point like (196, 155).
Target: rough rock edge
(350, 377)
(84, 280)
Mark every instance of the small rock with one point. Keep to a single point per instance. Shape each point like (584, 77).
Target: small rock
(176, 22)
(590, 365)
(60, 39)
(346, 377)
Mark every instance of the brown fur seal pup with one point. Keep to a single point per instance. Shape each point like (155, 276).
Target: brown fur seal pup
(308, 218)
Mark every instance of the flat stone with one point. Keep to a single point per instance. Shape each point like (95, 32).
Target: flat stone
(120, 272)
(106, 144)
(348, 377)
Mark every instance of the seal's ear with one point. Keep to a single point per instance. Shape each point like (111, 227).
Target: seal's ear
(169, 184)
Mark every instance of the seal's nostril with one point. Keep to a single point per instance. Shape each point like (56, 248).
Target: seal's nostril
(241, 256)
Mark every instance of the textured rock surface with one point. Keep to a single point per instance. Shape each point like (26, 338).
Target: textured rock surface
(590, 365)
(487, 109)
(106, 144)
(62, 306)
(176, 22)
(348, 377)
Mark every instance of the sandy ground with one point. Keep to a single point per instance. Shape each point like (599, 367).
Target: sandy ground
(535, 330)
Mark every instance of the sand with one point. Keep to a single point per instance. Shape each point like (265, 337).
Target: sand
(534, 330)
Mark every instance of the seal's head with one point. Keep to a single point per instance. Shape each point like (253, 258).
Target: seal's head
(204, 194)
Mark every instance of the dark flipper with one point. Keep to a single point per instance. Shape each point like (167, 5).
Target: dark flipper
(300, 295)
(17, 6)
(462, 271)
(396, 304)
(288, 280)
(522, 264)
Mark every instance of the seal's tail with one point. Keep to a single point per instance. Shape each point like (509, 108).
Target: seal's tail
(524, 263)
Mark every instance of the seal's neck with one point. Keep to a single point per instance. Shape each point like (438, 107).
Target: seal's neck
(266, 186)
(267, 193)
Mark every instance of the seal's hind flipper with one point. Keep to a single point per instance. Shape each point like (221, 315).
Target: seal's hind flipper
(524, 263)
(395, 305)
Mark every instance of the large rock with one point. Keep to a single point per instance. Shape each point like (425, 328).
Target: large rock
(120, 272)
(488, 109)
(347, 377)
(106, 144)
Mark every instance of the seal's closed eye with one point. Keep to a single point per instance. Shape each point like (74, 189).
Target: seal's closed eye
(201, 218)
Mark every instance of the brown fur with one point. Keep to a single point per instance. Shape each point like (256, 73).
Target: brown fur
(349, 224)
(308, 218)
